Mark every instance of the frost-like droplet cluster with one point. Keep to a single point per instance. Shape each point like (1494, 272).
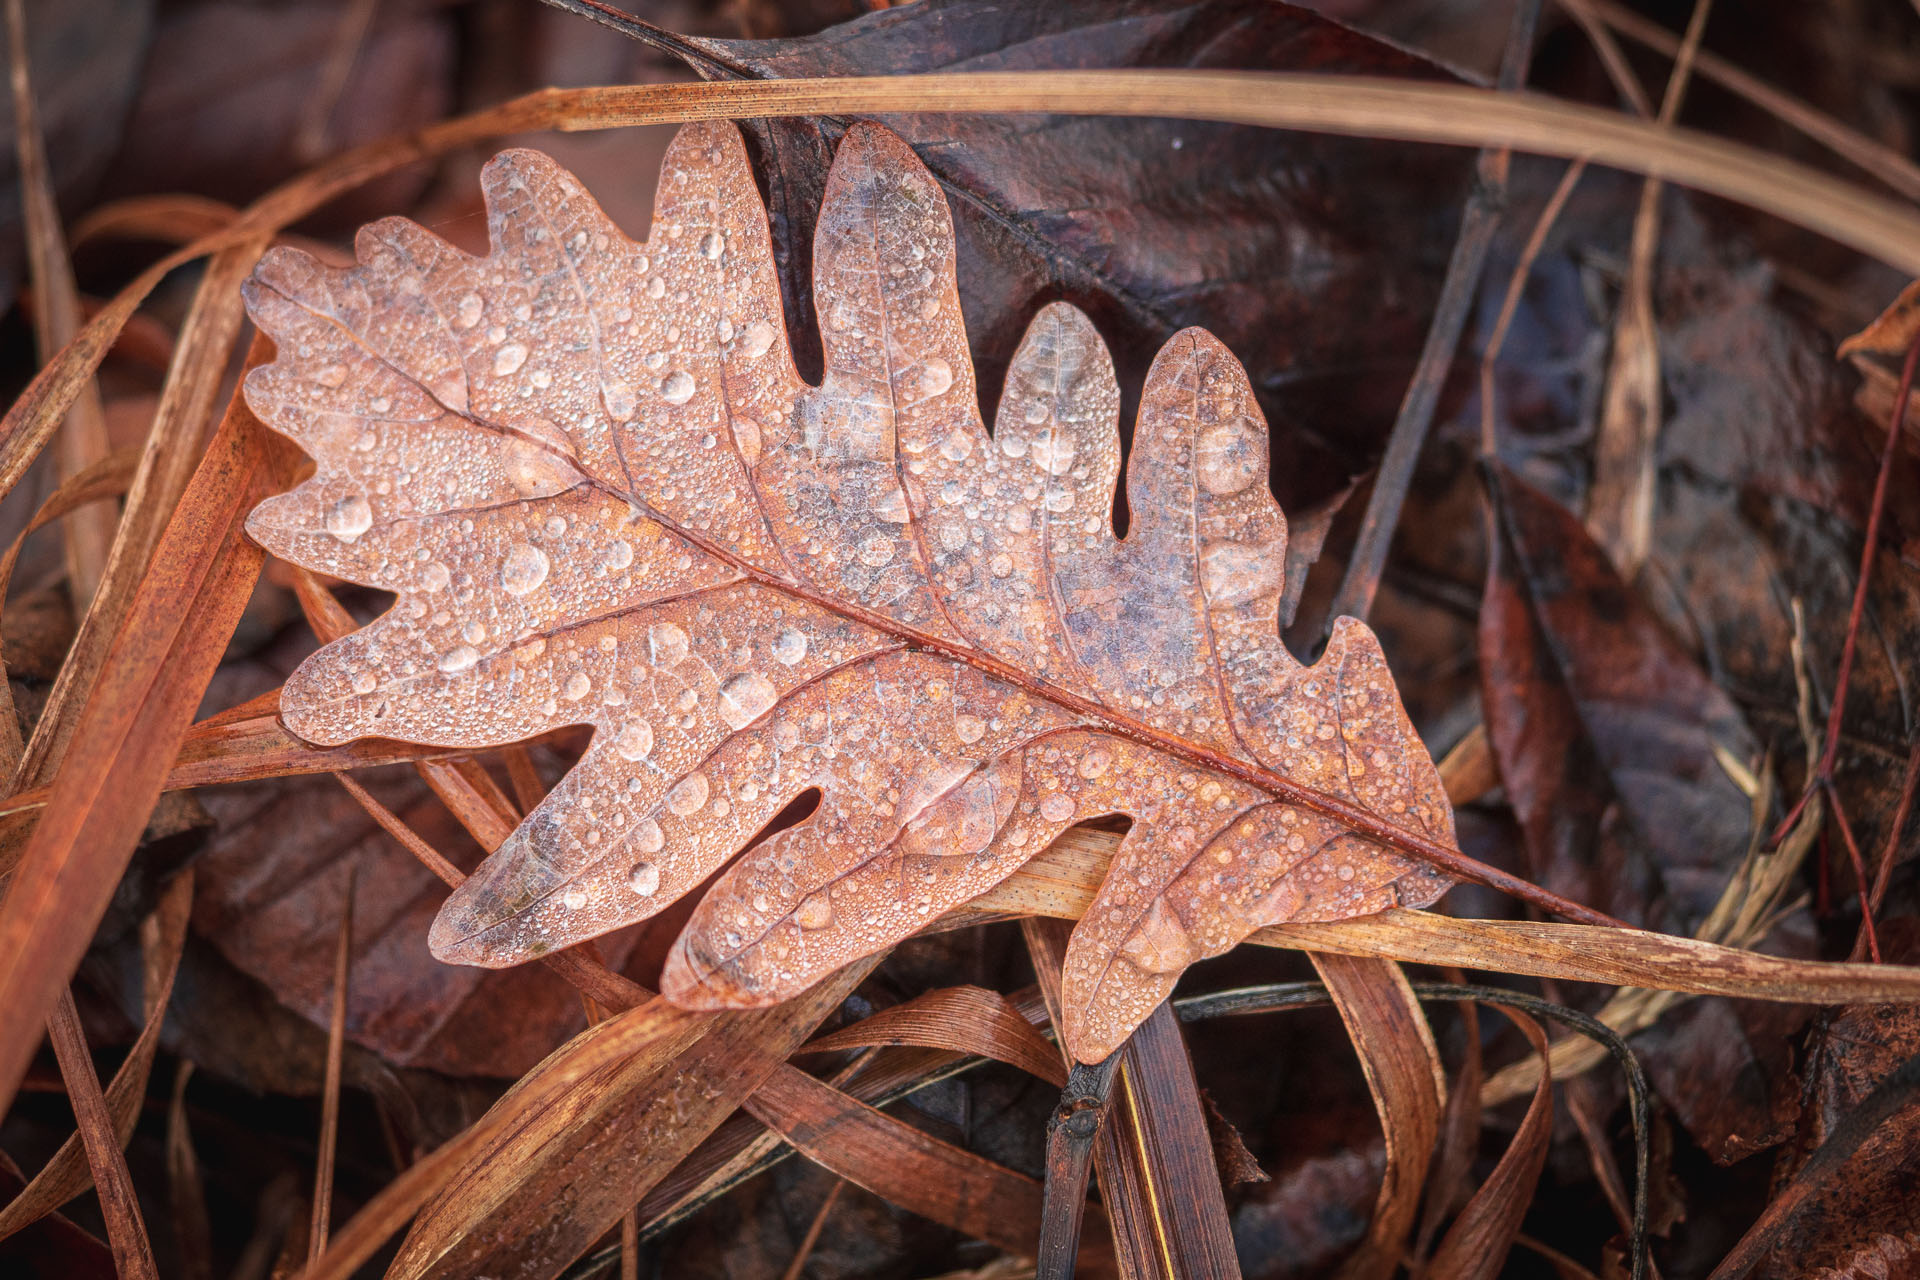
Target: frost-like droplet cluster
(601, 495)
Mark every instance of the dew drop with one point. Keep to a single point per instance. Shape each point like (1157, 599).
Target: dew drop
(620, 400)
(666, 644)
(789, 647)
(619, 554)
(757, 340)
(712, 245)
(876, 550)
(1159, 944)
(689, 795)
(1233, 573)
(644, 879)
(348, 518)
(677, 387)
(577, 687)
(969, 728)
(936, 375)
(436, 577)
(535, 472)
(574, 899)
(814, 912)
(1000, 566)
(746, 438)
(364, 682)
(1095, 763)
(524, 569)
(1054, 453)
(635, 741)
(1227, 459)
(469, 310)
(508, 359)
(746, 697)
(459, 658)
(1056, 808)
(648, 837)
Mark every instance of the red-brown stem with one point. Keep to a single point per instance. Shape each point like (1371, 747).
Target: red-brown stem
(1859, 871)
(1883, 873)
(1823, 773)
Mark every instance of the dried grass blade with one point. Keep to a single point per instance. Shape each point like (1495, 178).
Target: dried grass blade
(1349, 105)
(67, 1174)
(126, 1231)
(167, 462)
(900, 1164)
(1620, 507)
(651, 1028)
(106, 477)
(174, 218)
(1476, 1246)
(1061, 881)
(175, 631)
(192, 1233)
(56, 315)
(970, 1020)
(578, 1152)
(1875, 159)
(1459, 1138)
(1403, 1071)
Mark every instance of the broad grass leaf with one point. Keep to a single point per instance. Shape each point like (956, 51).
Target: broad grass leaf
(602, 495)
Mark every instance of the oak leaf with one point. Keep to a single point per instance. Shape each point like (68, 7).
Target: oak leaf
(588, 470)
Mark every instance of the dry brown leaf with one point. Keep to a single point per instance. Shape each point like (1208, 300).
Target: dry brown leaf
(603, 496)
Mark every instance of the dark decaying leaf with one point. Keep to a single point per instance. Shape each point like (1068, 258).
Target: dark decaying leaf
(1148, 225)
(1852, 1207)
(1603, 727)
(1605, 730)
(603, 496)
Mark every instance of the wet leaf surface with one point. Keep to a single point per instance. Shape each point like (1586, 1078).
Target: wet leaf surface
(602, 495)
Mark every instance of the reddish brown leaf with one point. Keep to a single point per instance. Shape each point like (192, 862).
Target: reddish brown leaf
(752, 588)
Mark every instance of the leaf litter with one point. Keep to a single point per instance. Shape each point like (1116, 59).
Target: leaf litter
(1748, 666)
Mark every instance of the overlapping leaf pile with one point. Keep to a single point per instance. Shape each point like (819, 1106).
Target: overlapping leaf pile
(602, 495)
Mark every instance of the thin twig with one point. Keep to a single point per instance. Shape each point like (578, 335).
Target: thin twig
(805, 1251)
(1611, 58)
(349, 34)
(1478, 224)
(1876, 159)
(1516, 288)
(330, 1093)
